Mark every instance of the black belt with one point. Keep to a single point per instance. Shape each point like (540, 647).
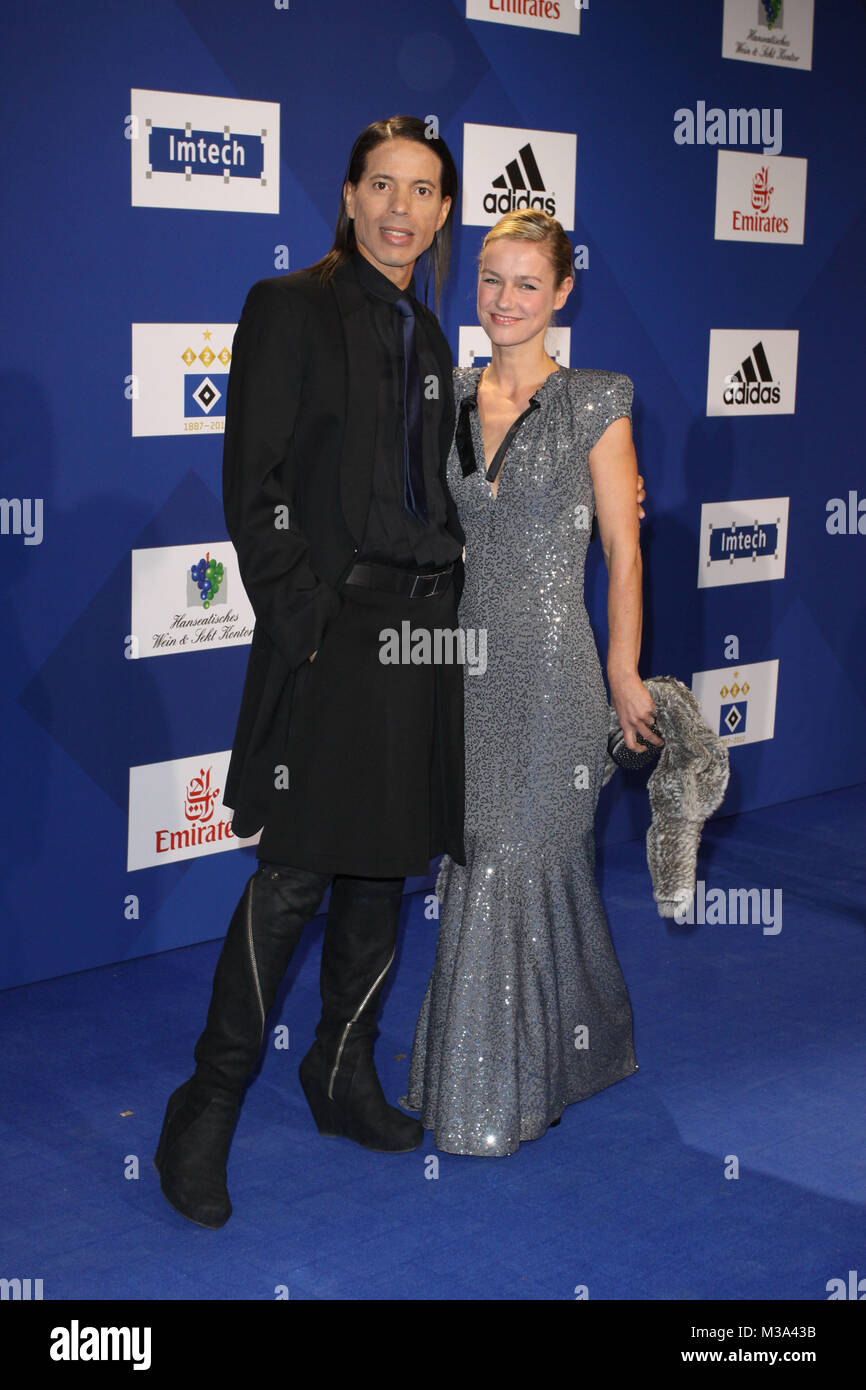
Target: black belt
(399, 581)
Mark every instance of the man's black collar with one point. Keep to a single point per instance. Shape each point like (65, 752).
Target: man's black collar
(377, 283)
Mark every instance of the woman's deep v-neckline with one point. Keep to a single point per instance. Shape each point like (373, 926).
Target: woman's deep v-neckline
(492, 471)
(464, 436)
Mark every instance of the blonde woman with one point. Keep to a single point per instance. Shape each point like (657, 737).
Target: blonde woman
(526, 1010)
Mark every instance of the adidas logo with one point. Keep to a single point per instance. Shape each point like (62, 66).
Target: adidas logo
(752, 383)
(523, 184)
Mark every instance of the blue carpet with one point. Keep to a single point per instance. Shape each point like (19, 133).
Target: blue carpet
(750, 1046)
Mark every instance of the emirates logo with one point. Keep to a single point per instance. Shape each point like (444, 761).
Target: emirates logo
(200, 797)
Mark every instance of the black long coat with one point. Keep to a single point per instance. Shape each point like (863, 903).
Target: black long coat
(300, 432)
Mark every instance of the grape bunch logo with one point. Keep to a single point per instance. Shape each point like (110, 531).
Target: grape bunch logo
(204, 582)
(770, 13)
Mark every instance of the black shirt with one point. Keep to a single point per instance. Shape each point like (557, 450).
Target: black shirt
(393, 536)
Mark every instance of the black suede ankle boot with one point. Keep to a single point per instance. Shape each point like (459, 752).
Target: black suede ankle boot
(192, 1154)
(201, 1114)
(338, 1075)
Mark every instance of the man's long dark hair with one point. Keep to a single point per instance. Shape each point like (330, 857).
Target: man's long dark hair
(396, 128)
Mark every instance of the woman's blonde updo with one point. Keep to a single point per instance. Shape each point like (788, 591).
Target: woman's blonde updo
(531, 224)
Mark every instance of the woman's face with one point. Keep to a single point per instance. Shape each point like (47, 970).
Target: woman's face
(516, 291)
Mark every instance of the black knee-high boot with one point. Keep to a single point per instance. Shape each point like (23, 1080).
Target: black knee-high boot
(201, 1114)
(337, 1074)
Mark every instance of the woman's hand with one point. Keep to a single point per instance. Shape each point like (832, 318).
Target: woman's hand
(635, 710)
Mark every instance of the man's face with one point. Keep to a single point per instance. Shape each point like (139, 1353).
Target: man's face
(397, 206)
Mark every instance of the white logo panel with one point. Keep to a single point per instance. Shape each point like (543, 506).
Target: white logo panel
(760, 198)
(506, 170)
(742, 542)
(752, 371)
(188, 598)
(176, 811)
(474, 346)
(557, 16)
(739, 702)
(778, 32)
(213, 153)
(180, 373)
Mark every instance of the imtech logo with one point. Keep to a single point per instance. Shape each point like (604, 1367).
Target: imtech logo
(743, 541)
(752, 371)
(507, 170)
(215, 153)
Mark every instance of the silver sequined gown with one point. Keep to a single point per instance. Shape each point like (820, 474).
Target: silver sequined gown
(526, 1010)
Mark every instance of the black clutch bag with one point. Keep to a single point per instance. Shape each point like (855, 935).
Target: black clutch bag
(623, 755)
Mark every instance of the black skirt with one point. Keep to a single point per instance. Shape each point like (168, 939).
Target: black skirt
(374, 753)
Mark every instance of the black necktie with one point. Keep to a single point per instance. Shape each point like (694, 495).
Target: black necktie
(414, 495)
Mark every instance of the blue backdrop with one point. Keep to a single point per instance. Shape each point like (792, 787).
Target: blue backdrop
(81, 265)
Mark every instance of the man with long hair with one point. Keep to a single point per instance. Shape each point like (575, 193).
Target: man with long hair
(339, 419)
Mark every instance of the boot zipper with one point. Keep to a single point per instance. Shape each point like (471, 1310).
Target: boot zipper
(357, 1015)
(253, 959)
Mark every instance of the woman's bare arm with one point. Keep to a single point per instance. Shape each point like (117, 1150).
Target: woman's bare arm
(613, 465)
